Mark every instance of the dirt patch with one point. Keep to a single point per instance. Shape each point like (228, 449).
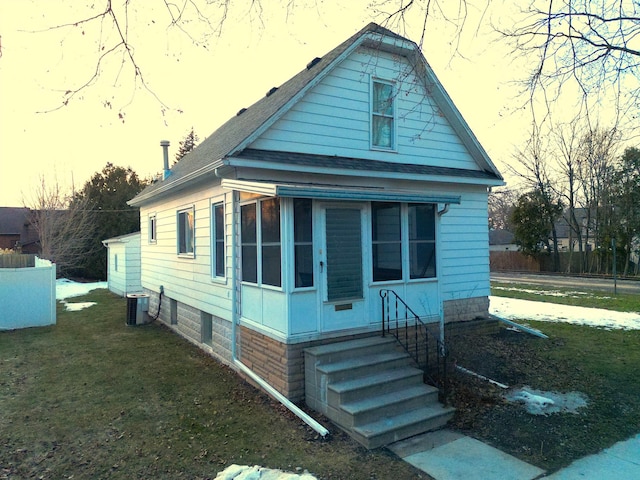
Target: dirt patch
(516, 359)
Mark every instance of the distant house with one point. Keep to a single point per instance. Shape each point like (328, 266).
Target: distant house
(566, 234)
(279, 232)
(123, 264)
(16, 230)
(501, 240)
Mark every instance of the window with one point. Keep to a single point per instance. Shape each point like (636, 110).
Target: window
(303, 242)
(152, 229)
(386, 241)
(217, 239)
(422, 240)
(270, 239)
(396, 227)
(260, 242)
(382, 115)
(186, 232)
(206, 328)
(115, 262)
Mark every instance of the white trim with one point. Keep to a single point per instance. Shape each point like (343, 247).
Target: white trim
(332, 192)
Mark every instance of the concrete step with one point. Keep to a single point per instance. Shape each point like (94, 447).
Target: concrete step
(353, 389)
(394, 428)
(370, 409)
(364, 365)
(335, 352)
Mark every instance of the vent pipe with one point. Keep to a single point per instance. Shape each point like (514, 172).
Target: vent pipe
(165, 154)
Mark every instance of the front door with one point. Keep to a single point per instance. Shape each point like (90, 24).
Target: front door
(342, 267)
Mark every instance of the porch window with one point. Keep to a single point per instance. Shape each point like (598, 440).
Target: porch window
(186, 232)
(422, 240)
(382, 115)
(398, 227)
(270, 240)
(386, 241)
(249, 243)
(303, 242)
(260, 242)
(217, 239)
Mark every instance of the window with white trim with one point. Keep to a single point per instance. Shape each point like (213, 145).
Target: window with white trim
(382, 115)
(186, 232)
(260, 242)
(398, 228)
(152, 228)
(217, 240)
(303, 242)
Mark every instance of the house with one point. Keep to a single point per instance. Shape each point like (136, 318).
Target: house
(275, 237)
(501, 240)
(16, 230)
(566, 233)
(123, 264)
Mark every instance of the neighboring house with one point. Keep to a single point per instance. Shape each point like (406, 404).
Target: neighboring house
(16, 231)
(123, 264)
(567, 236)
(501, 240)
(278, 232)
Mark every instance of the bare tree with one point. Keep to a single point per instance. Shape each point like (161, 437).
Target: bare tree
(64, 227)
(532, 167)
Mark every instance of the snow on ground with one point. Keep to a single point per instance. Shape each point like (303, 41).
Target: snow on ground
(69, 289)
(514, 309)
(244, 472)
(538, 402)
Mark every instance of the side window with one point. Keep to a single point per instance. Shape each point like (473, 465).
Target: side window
(382, 115)
(152, 229)
(217, 240)
(303, 242)
(422, 240)
(186, 232)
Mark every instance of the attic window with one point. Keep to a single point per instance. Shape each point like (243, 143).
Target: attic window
(313, 63)
(382, 115)
(272, 91)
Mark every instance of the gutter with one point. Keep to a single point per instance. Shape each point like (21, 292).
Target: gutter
(235, 319)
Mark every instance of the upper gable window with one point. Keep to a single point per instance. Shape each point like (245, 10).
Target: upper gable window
(382, 115)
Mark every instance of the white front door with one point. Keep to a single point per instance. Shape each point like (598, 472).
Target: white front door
(342, 267)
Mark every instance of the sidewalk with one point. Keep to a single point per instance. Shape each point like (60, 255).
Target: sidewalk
(447, 455)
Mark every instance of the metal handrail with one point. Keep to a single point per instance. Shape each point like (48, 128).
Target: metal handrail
(398, 319)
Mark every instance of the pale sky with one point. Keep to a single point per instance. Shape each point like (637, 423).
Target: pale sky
(201, 87)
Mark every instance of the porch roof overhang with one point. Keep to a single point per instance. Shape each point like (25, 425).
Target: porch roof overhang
(335, 192)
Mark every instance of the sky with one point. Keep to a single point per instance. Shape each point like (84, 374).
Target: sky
(198, 79)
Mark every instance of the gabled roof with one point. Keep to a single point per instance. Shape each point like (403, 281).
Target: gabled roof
(238, 132)
(13, 220)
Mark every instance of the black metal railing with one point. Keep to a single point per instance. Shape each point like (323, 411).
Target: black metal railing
(399, 320)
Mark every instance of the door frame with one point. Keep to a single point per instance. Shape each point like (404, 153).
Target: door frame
(349, 313)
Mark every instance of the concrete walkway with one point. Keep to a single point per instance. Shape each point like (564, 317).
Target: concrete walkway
(447, 455)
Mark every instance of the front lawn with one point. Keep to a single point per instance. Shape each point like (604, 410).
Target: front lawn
(93, 398)
(602, 364)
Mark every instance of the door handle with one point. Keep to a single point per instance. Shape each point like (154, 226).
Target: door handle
(321, 266)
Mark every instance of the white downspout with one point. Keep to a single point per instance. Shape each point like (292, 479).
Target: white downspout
(440, 214)
(235, 318)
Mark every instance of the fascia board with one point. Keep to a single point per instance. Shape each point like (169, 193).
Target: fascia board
(449, 179)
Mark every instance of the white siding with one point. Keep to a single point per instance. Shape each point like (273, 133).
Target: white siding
(464, 247)
(125, 278)
(187, 279)
(333, 118)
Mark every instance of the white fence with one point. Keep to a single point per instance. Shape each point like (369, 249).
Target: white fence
(28, 296)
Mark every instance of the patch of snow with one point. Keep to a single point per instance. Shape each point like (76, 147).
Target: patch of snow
(550, 293)
(244, 472)
(514, 309)
(544, 403)
(74, 307)
(67, 288)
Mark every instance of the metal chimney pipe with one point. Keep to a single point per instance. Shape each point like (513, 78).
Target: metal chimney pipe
(165, 153)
